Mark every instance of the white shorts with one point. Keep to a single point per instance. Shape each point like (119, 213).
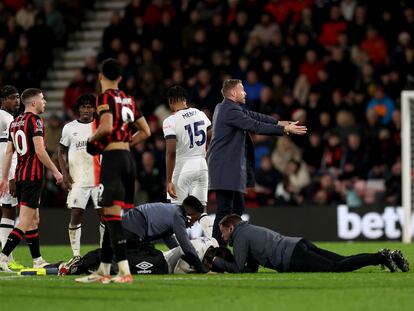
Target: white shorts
(78, 197)
(7, 199)
(190, 183)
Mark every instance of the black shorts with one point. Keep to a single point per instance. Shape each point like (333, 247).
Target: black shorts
(117, 179)
(28, 193)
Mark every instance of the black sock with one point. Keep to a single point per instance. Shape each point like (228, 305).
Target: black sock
(118, 241)
(106, 249)
(12, 241)
(32, 240)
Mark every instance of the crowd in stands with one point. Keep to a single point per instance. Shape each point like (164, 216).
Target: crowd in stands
(29, 30)
(336, 66)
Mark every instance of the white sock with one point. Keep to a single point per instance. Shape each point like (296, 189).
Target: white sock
(6, 226)
(123, 267)
(75, 233)
(104, 268)
(206, 222)
(101, 233)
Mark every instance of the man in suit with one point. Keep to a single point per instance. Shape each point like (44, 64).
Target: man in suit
(230, 155)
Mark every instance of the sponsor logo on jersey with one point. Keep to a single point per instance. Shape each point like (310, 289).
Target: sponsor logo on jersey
(81, 144)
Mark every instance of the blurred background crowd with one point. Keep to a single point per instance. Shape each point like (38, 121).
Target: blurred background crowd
(336, 66)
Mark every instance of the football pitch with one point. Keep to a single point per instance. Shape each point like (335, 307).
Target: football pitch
(367, 289)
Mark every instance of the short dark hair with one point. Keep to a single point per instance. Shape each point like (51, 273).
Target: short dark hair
(29, 93)
(7, 90)
(111, 69)
(176, 94)
(232, 219)
(222, 252)
(85, 99)
(193, 203)
(228, 85)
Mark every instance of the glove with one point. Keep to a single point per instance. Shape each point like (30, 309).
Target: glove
(92, 148)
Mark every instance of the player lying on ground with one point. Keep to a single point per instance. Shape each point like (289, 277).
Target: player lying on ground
(154, 221)
(254, 246)
(145, 259)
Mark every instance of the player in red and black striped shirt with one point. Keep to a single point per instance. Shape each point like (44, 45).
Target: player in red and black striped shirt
(117, 115)
(26, 137)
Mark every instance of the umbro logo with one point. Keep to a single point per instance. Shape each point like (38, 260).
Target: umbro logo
(143, 267)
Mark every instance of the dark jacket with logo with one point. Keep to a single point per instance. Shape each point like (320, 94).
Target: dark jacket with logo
(153, 221)
(230, 155)
(254, 246)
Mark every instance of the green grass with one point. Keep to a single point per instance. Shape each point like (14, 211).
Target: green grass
(367, 289)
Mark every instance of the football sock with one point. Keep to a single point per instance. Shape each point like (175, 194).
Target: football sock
(6, 226)
(123, 267)
(118, 241)
(32, 240)
(104, 268)
(75, 232)
(15, 236)
(106, 249)
(101, 233)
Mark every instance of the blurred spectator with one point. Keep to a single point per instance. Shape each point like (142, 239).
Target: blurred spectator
(153, 13)
(77, 87)
(355, 158)
(150, 179)
(393, 186)
(54, 20)
(267, 178)
(311, 66)
(284, 152)
(333, 153)
(25, 17)
(348, 9)
(382, 105)
(253, 87)
(113, 31)
(266, 29)
(298, 175)
(331, 28)
(313, 152)
(53, 131)
(375, 47)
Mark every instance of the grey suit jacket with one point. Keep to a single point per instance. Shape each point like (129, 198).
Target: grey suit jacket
(254, 246)
(230, 155)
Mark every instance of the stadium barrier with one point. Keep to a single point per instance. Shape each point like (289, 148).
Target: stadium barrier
(339, 223)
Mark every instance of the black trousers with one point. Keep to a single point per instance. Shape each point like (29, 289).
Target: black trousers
(228, 202)
(307, 257)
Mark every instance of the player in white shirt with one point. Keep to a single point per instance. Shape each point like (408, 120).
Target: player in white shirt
(186, 133)
(10, 103)
(80, 170)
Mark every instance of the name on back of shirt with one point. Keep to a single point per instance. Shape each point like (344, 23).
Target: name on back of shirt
(17, 124)
(125, 101)
(189, 114)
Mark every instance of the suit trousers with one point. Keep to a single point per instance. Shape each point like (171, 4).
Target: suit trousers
(307, 257)
(228, 202)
